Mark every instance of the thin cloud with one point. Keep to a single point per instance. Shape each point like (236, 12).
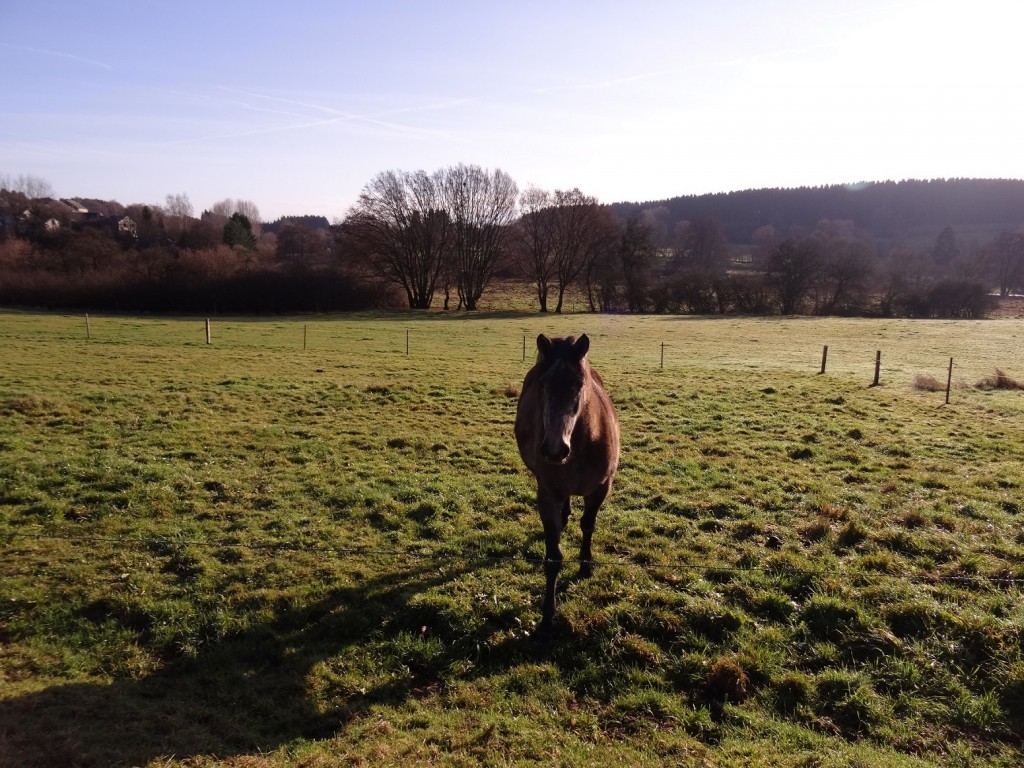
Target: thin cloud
(233, 102)
(348, 115)
(369, 120)
(607, 83)
(250, 132)
(57, 54)
(373, 119)
(250, 94)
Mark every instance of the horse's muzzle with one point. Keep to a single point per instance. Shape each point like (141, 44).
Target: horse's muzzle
(560, 454)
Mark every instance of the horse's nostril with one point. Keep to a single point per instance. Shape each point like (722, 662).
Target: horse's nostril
(556, 455)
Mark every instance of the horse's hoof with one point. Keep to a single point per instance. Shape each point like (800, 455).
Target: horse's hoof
(542, 636)
(586, 570)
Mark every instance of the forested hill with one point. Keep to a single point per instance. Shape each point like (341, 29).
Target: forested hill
(310, 222)
(886, 211)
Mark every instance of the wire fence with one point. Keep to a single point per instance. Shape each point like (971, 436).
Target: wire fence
(439, 557)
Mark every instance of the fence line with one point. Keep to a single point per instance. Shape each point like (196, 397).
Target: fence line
(662, 346)
(397, 554)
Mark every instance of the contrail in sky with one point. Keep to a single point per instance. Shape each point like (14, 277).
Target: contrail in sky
(58, 54)
(338, 116)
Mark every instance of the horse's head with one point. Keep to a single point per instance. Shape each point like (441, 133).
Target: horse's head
(563, 375)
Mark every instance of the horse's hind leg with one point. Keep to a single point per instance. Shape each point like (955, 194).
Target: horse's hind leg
(591, 503)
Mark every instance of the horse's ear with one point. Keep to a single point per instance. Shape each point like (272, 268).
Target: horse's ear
(543, 344)
(581, 347)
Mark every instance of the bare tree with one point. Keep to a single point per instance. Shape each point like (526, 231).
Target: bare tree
(1005, 255)
(764, 241)
(792, 268)
(179, 211)
(223, 208)
(32, 187)
(636, 255)
(251, 211)
(907, 273)
(602, 274)
(400, 226)
(704, 247)
(302, 246)
(845, 277)
(482, 207)
(229, 206)
(560, 234)
(580, 231)
(847, 266)
(536, 241)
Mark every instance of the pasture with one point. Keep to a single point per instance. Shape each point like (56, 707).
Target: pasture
(253, 554)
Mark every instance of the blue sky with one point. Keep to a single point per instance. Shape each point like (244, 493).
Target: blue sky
(297, 105)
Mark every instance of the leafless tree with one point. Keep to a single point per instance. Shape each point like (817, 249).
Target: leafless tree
(33, 187)
(1005, 255)
(582, 229)
(602, 276)
(227, 207)
(636, 255)
(482, 206)
(847, 266)
(536, 241)
(792, 269)
(764, 241)
(560, 235)
(704, 246)
(302, 246)
(251, 211)
(400, 227)
(845, 278)
(179, 210)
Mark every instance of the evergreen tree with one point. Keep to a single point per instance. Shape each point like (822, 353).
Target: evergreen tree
(946, 248)
(238, 231)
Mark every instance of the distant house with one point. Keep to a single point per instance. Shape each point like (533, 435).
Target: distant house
(126, 228)
(75, 206)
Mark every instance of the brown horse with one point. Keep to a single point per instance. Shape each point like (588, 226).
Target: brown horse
(568, 436)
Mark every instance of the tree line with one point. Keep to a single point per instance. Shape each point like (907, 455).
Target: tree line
(442, 239)
(94, 254)
(887, 212)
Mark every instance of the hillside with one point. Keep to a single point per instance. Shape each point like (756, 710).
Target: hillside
(906, 212)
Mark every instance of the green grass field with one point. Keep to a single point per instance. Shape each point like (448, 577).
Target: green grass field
(253, 554)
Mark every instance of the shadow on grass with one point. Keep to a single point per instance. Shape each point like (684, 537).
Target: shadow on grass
(245, 695)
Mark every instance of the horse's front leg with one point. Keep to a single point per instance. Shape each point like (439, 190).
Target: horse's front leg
(591, 503)
(552, 514)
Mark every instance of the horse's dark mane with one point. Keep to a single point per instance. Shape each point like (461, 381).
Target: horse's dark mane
(561, 349)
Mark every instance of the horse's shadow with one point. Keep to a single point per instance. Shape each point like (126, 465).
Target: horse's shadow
(245, 695)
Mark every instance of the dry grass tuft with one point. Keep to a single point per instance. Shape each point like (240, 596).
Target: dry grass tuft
(999, 380)
(927, 383)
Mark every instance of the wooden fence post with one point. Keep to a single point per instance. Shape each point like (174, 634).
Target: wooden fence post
(87, 334)
(824, 359)
(208, 340)
(406, 342)
(663, 356)
(949, 380)
(878, 367)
